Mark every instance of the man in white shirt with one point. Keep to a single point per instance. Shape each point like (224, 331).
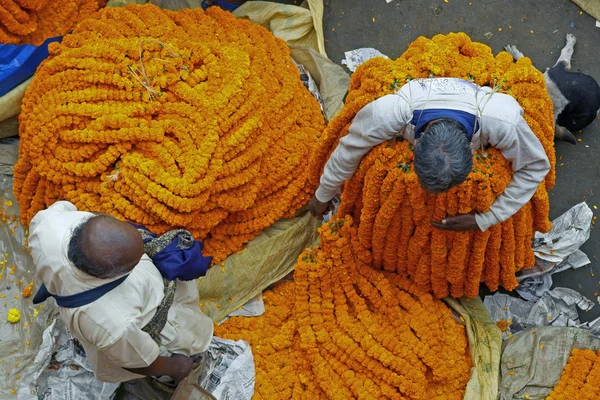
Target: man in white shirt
(137, 328)
(446, 119)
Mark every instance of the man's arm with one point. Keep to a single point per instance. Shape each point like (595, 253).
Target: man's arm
(377, 122)
(530, 164)
(177, 367)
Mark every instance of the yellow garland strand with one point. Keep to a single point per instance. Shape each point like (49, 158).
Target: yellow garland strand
(352, 331)
(34, 21)
(580, 379)
(186, 119)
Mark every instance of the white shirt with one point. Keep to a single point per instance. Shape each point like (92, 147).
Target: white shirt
(501, 125)
(110, 328)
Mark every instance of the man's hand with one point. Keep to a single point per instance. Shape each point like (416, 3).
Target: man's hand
(460, 223)
(318, 208)
(183, 366)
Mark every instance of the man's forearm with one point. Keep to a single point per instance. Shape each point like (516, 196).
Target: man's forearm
(160, 366)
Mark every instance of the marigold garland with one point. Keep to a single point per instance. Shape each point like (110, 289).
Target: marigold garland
(33, 21)
(446, 263)
(186, 119)
(580, 379)
(352, 331)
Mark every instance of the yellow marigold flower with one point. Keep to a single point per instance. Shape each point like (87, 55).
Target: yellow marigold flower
(579, 379)
(13, 316)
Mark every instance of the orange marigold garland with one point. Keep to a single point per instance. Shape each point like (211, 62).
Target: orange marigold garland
(352, 331)
(33, 21)
(444, 262)
(580, 379)
(185, 119)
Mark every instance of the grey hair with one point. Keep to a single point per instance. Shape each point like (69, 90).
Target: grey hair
(443, 157)
(78, 253)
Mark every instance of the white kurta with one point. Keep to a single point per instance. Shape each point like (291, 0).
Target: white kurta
(110, 328)
(499, 117)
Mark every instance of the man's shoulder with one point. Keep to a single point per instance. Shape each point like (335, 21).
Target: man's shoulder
(108, 318)
(501, 108)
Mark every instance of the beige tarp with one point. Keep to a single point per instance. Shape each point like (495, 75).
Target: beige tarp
(267, 259)
(533, 360)
(298, 26)
(591, 7)
(9, 127)
(10, 103)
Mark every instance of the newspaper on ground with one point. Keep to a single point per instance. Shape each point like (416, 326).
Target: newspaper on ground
(226, 371)
(558, 249)
(61, 371)
(253, 308)
(310, 84)
(354, 58)
(557, 307)
(534, 287)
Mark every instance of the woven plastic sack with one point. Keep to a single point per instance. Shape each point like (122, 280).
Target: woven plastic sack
(530, 370)
(268, 258)
(485, 343)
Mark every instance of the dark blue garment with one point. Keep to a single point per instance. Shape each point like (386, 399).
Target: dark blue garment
(78, 299)
(176, 260)
(224, 5)
(423, 117)
(18, 62)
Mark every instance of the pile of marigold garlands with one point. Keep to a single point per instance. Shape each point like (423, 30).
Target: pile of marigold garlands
(393, 212)
(580, 379)
(186, 119)
(33, 21)
(343, 330)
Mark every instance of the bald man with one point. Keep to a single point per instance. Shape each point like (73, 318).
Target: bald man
(135, 328)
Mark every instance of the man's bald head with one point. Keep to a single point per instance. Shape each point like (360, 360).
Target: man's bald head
(104, 247)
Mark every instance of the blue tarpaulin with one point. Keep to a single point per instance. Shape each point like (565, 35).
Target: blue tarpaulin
(19, 62)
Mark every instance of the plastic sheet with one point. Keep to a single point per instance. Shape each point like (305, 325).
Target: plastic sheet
(19, 341)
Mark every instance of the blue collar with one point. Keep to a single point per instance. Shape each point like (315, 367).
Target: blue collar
(78, 299)
(423, 117)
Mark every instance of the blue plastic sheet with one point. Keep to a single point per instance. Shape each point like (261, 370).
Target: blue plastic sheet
(19, 62)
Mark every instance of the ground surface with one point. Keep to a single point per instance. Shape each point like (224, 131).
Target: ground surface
(538, 28)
